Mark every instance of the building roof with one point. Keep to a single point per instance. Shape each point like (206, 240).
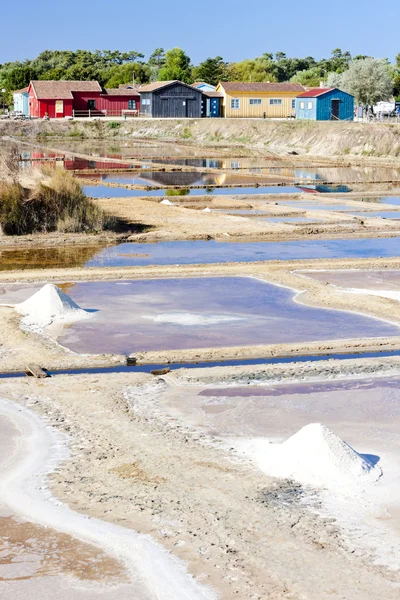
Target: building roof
(120, 92)
(23, 91)
(62, 90)
(260, 86)
(314, 92)
(197, 84)
(212, 94)
(128, 86)
(156, 85)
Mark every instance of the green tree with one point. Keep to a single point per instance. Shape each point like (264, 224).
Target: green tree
(157, 58)
(127, 73)
(256, 69)
(309, 77)
(368, 80)
(212, 70)
(176, 66)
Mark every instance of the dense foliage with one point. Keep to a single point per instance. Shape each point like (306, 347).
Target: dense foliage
(112, 67)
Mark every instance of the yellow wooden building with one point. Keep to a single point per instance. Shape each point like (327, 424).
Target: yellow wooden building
(258, 99)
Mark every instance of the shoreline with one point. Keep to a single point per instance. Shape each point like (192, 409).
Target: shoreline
(25, 492)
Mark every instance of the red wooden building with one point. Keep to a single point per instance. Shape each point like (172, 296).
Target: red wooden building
(58, 99)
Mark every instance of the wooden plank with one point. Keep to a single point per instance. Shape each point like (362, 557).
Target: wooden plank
(34, 370)
(160, 371)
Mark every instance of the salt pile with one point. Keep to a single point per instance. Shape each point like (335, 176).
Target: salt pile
(47, 305)
(167, 202)
(206, 209)
(316, 456)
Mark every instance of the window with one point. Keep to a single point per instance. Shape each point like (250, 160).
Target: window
(302, 105)
(255, 101)
(146, 102)
(131, 104)
(293, 103)
(91, 104)
(276, 101)
(309, 105)
(235, 103)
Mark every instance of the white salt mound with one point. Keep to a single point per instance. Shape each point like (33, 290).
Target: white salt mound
(316, 456)
(167, 202)
(206, 209)
(47, 305)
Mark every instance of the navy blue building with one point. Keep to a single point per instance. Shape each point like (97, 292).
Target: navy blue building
(325, 104)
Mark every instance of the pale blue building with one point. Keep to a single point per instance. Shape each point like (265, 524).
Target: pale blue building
(21, 101)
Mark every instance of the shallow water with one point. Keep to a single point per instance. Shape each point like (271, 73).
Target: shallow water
(52, 258)
(317, 206)
(196, 252)
(102, 191)
(389, 214)
(186, 178)
(293, 220)
(142, 315)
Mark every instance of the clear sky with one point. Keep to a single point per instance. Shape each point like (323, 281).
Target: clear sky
(232, 29)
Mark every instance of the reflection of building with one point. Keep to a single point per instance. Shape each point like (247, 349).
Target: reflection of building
(174, 178)
(325, 104)
(258, 99)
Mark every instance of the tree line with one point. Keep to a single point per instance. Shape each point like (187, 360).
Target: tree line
(112, 68)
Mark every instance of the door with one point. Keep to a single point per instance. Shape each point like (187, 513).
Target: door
(335, 107)
(214, 107)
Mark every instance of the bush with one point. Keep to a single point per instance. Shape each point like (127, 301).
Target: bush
(57, 205)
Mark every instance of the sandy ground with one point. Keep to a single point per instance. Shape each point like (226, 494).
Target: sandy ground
(134, 465)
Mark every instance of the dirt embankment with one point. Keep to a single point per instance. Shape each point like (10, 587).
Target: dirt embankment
(280, 137)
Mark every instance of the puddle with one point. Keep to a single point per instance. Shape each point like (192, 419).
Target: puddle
(317, 206)
(170, 314)
(101, 191)
(327, 189)
(294, 220)
(29, 551)
(382, 214)
(52, 258)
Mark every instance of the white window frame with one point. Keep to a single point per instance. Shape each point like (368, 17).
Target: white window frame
(235, 103)
(275, 101)
(310, 105)
(145, 102)
(255, 101)
(302, 105)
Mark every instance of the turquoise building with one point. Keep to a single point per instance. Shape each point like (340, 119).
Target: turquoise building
(21, 101)
(325, 104)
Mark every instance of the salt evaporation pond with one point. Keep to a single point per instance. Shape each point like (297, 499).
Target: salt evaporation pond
(186, 178)
(132, 316)
(103, 191)
(195, 252)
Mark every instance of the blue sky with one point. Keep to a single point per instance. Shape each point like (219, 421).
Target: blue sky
(233, 30)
